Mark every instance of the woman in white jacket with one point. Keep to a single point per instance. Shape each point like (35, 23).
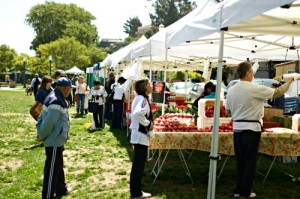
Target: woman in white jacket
(141, 126)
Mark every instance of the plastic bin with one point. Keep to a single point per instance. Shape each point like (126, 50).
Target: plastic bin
(203, 122)
(291, 105)
(203, 103)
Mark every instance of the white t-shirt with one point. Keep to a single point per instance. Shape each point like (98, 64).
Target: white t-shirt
(121, 89)
(245, 100)
(81, 88)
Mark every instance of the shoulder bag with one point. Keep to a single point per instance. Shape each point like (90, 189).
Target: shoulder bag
(36, 110)
(92, 105)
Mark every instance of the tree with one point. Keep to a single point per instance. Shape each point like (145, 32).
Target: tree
(8, 58)
(95, 54)
(67, 52)
(225, 73)
(169, 11)
(131, 26)
(129, 39)
(52, 21)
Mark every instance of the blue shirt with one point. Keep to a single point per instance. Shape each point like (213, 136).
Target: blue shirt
(42, 94)
(211, 95)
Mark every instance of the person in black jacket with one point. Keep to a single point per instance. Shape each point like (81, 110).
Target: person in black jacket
(35, 84)
(108, 88)
(209, 87)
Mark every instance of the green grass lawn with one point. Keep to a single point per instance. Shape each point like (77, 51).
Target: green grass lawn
(98, 164)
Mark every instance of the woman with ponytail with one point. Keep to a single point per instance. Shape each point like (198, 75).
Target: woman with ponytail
(141, 130)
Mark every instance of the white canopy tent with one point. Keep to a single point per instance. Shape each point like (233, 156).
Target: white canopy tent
(210, 20)
(123, 54)
(74, 70)
(237, 47)
(240, 16)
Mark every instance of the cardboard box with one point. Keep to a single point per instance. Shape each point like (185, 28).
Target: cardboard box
(267, 125)
(285, 121)
(269, 113)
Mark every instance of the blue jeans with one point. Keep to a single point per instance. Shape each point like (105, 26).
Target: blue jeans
(80, 104)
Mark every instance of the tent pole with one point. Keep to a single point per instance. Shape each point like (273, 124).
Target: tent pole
(185, 83)
(165, 80)
(150, 75)
(211, 192)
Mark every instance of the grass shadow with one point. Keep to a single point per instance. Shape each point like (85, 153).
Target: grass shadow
(121, 135)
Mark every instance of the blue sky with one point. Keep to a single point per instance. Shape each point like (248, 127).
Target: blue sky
(111, 16)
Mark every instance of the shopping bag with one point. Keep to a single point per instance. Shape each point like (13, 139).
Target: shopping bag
(76, 98)
(92, 105)
(36, 110)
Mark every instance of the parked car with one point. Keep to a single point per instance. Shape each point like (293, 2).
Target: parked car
(260, 81)
(193, 80)
(182, 88)
(198, 89)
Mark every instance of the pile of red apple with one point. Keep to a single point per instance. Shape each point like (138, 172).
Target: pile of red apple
(175, 122)
(222, 128)
(209, 111)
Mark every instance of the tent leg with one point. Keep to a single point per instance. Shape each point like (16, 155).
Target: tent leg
(214, 141)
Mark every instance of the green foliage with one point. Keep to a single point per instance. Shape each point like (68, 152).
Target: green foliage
(83, 32)
(129, 39)
(67, 52)
(173, 109)
(194, 75)
(8, 58)
(175, 75)
(96, 54)
(225, 73)
(131, 26)
(169, 11)
(97, 165)
(52, 21)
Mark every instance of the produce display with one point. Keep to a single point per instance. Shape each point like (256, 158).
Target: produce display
(222, 128)
(209, 111)
(175, 122)
(206, 108)
(184, 122)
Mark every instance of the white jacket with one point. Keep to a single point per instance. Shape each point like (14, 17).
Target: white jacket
(138, 116)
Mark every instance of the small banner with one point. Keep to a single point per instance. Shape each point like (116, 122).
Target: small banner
(158, 92)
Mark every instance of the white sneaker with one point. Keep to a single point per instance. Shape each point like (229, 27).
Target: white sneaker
(144, 195)
(252, 195)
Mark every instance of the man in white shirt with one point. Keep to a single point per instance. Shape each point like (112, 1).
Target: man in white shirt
(245, 103)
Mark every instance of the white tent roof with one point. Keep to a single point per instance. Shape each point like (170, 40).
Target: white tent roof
(123, 54)
(156, 45)
(226, 14)
(237, 45)
(74, 70)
